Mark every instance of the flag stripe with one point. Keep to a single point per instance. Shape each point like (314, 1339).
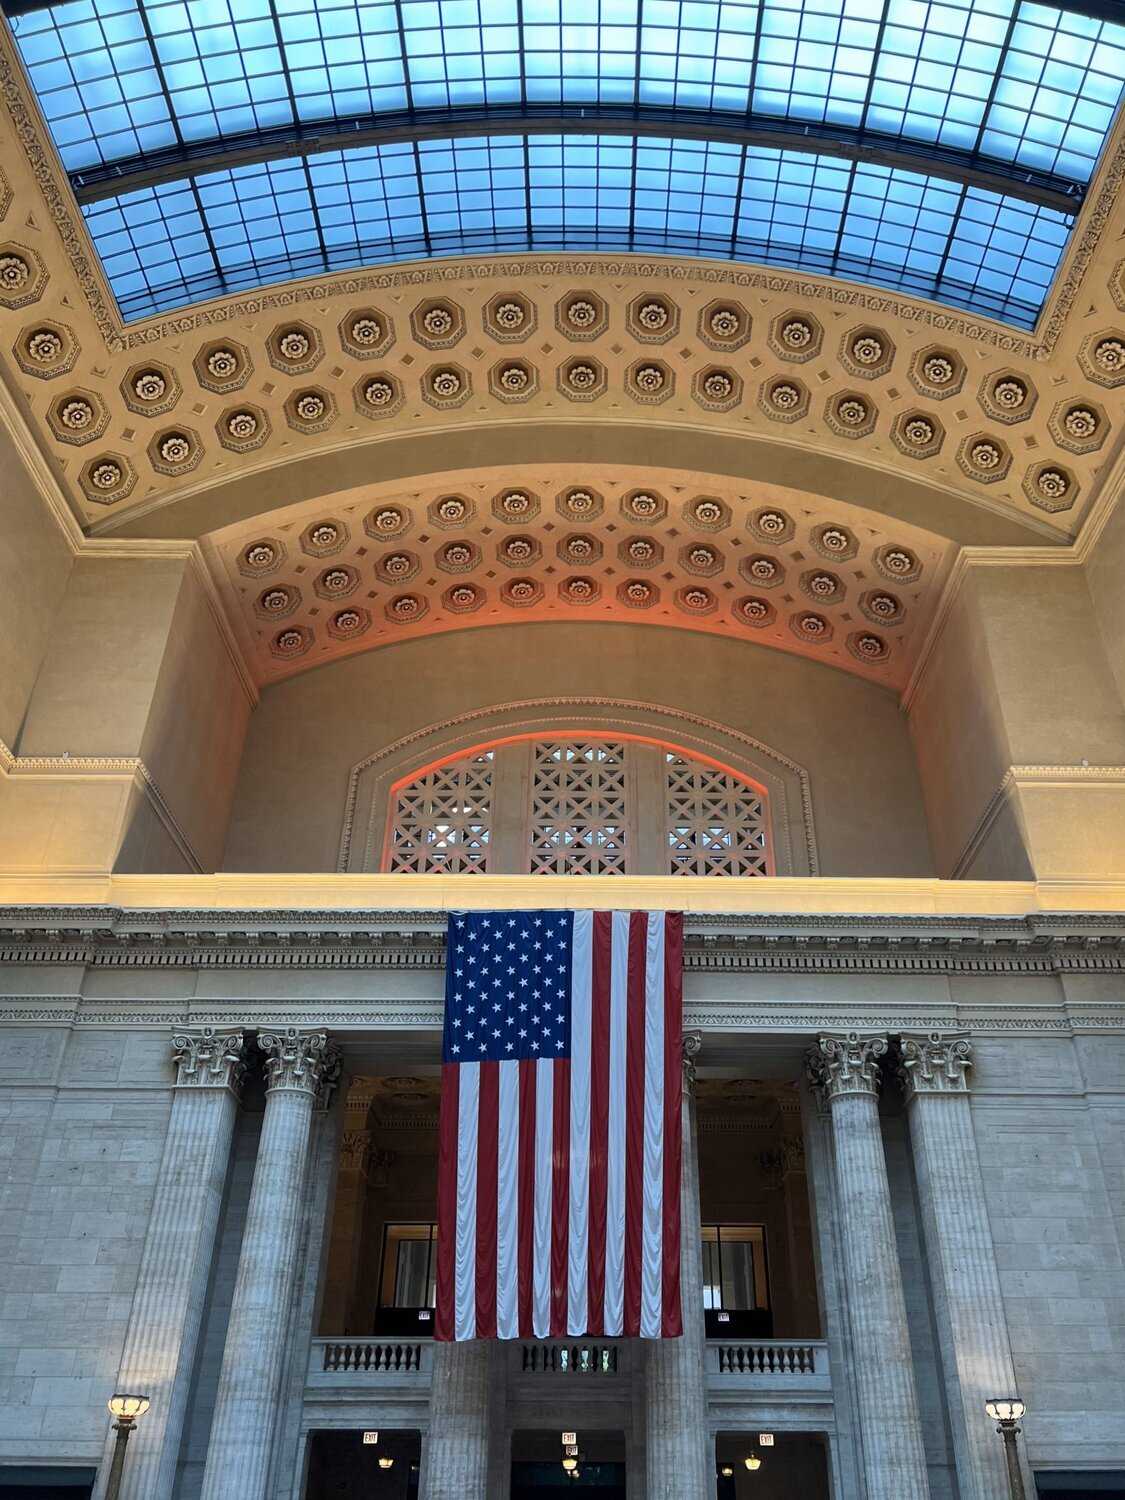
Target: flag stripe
(581, 1008)
(599, 1122)
(560, 1201)
(466, 1317)
(652, 1253)
(615, 1142)
(507, 1202)
(670, 1324)
(542, 1269)
(444, 1322)
(528, 1110)
(487, 1182)
(634, 1120)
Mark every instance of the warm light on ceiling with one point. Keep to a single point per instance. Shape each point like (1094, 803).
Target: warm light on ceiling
(386, 1463)
(753, 1462)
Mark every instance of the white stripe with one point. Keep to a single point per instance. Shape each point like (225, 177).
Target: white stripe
(615, 1135)
(465, 1278)
(652, 1239)
(507, 1204)
(581, 1022)
(544, 1179)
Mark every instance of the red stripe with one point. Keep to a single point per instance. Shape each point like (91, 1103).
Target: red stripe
(599, 1119)
(488, 1131)
(635, 1119)
(560, 1198)
(526, 1209)
(447, 1201)
(672, 1321)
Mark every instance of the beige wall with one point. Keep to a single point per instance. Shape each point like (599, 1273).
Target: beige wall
(35, 562)
(309, 731)
(1017, 679)
(135, 667)
(1105, 576)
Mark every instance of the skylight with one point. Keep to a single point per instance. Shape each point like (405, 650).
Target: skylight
(181, 116)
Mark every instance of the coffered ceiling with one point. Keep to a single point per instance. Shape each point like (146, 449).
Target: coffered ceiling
(387, 563)
(720, 419)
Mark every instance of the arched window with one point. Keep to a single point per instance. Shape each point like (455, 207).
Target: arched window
(578, 804)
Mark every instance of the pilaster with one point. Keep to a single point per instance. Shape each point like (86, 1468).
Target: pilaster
(678, 1454)
(167, 1312)
(299, 1066)
(976, 1356)
(846, 1070)
(455, 1450)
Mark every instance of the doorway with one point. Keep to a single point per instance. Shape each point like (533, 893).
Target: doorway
(538, 1460)
(356, 1465)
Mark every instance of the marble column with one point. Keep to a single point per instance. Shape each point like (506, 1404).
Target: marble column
(167, 1312)
(846, 1069)
(679, 1457)
(455, 1448)
(299, 1066)
(976, 1356)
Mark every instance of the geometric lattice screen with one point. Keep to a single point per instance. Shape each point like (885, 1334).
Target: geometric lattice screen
(441, 821)
(579, 805)
(716, 823)
(578, 808)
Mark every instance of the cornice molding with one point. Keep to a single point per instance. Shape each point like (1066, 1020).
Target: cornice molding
(113, 767)
(1016, 777)
(411, 942)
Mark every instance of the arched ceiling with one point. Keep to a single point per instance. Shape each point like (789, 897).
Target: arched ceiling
(879, 413)
(314, 582)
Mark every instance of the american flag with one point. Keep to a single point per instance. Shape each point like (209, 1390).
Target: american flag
(559, 1156)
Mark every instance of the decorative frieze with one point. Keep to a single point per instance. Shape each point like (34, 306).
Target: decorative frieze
(209, 1058)
(935, 1064)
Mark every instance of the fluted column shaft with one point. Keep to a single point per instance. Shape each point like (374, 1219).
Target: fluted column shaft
(972, 1334)
(167, 1312)
(455, 1462)
(298, 1066)
(678, 1459)
(893, 1455)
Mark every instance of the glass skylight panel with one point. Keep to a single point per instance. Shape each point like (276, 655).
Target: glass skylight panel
(180, 242)
(1010, 80)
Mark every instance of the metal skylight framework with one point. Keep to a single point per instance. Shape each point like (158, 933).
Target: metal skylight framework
(942, 148)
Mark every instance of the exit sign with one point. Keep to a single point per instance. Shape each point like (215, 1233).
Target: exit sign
(371, 1437)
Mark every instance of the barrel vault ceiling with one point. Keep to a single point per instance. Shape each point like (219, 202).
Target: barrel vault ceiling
(371, 454)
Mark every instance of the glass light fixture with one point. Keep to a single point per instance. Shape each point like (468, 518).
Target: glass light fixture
(1005, 1408)
(386, 1463)
(727, 1472)
(127, 1408)
(570, 1464)
(753, 1462)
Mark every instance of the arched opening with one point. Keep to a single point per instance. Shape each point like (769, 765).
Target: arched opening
(578, 802)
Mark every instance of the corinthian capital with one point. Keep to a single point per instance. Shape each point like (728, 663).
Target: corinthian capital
(692, 1043)
(207, 1058)
(305, 1061)
(840, 1065)
(935, 1064)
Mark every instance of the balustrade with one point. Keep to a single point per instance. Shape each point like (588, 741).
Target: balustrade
(568, 1359)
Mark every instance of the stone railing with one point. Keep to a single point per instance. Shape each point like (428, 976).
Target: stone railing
(769, 1365)
(567, 1357)
(363, 1360)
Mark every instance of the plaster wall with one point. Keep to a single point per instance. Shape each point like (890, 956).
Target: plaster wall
(309, 731)
(1105, 568)
(1018, 678)
(35, 564)
(136, 667)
